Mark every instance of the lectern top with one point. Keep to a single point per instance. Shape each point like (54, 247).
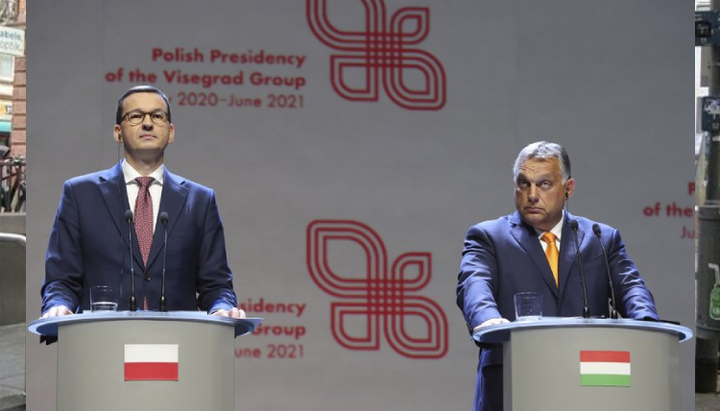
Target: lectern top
(500, 333)
(48, 327)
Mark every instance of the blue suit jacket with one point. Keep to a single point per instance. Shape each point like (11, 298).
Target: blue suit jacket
(89, 246)
(504, 257)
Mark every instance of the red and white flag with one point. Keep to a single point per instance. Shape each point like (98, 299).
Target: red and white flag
(151, 362)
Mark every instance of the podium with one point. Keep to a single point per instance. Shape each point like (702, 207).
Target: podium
(181, 360)
(589, 364)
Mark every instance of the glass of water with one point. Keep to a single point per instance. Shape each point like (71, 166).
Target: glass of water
(528, 306)
(103, 298)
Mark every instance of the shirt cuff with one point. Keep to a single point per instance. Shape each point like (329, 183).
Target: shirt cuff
(220, 305)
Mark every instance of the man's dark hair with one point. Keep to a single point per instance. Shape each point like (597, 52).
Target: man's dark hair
(141, 89)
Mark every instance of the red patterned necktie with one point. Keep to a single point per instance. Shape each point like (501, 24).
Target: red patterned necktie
(144, 217)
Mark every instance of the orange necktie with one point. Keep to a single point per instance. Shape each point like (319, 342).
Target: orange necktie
(552, 253)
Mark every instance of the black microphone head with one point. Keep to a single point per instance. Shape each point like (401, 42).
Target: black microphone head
(128, 216)
(574, 225)
(596, 229)
(163, 217)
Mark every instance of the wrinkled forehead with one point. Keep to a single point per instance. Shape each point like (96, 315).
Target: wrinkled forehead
(539, 167)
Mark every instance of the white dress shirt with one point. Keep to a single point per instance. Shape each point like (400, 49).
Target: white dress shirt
(557, 230)
(133, 188)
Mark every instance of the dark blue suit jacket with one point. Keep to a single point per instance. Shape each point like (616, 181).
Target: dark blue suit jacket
(89, 246)
(504, 257)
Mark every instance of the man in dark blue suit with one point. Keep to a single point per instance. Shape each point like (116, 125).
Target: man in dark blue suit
(507, 256)
(89, 244)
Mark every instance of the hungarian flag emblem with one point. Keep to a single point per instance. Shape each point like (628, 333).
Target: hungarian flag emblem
(151, 362)
(605, 368)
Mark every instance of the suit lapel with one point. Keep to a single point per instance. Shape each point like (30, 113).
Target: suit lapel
(114, 194)
(568, 251)
(172, 201)
(528, 240)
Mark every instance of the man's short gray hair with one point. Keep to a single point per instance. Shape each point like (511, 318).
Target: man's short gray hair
(542, 150)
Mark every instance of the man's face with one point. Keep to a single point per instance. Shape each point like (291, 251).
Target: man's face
(540, 194)
(146, 140)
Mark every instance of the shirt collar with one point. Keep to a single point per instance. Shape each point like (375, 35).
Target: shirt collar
(131, 174)
(557, 230)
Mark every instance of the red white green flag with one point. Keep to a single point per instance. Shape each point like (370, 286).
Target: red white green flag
(605, 368)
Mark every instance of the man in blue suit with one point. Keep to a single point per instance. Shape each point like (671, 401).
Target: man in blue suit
(507, 256)
(89, 244)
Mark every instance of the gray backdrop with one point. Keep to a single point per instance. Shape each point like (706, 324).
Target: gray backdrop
(603, 78)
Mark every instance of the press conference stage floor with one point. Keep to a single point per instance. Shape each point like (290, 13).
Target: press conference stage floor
(12, 367)
(707, 402)
(12, 373)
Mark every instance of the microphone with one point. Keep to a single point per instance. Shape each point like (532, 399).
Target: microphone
(163, 217)
(613, 313)
(129, 219)
(574, 228)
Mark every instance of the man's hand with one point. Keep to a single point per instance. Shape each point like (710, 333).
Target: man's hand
(57, 311)
(492, 321)
(233, 313)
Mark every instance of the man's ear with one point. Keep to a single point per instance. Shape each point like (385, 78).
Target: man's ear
(569, 188)
(117, 134)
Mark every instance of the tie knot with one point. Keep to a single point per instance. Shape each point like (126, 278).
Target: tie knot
(549, 237)
(144, 182)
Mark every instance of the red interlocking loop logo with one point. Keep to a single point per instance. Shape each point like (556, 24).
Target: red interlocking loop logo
(413, 79)
(374, 300)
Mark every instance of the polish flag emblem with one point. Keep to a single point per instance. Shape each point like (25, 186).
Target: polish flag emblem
(151, 362)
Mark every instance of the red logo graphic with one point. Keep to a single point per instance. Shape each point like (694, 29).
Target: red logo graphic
(413, 79)
(375, 300)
